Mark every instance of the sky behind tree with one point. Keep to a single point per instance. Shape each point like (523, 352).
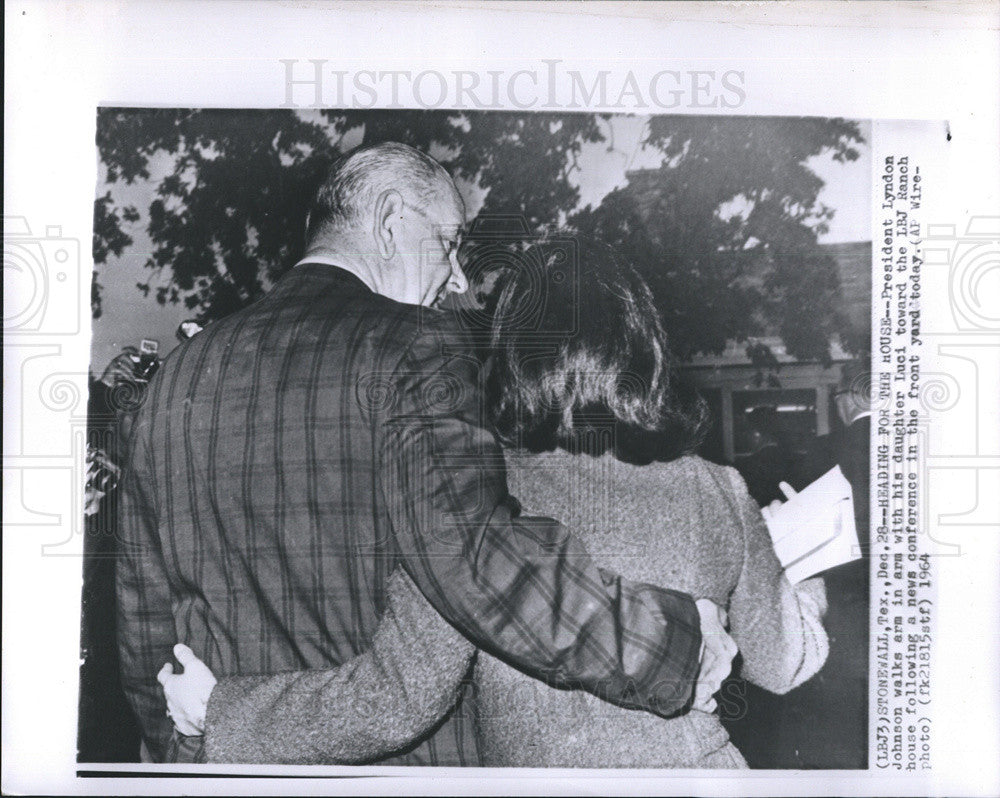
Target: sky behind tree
(127, 316)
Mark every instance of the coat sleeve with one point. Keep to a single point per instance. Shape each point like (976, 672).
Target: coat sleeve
(777, 626)
(367, 709)
(521, 587)
(146, 631)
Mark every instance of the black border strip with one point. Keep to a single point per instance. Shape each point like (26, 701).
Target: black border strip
(173, 774)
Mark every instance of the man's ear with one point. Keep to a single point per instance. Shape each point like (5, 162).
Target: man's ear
(388, 212)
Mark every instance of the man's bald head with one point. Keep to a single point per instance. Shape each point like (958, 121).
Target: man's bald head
(356, 181)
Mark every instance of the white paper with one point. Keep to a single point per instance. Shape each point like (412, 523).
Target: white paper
(815, 530)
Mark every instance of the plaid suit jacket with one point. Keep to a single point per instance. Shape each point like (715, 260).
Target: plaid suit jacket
(288, 457)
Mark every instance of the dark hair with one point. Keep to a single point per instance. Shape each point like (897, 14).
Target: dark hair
(355, 181)
(579, 359)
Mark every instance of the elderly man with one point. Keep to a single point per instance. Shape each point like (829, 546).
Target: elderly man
(291, 455)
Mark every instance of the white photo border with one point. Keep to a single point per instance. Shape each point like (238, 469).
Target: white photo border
(933, 61)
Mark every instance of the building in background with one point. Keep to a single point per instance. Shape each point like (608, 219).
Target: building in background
(800, 392)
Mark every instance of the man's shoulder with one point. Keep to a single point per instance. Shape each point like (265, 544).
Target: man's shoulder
(397, 324)
(367, 332)
(390, 322)
(421, 333)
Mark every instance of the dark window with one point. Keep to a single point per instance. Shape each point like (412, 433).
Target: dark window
(789, 416)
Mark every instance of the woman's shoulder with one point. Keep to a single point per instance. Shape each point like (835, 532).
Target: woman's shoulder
(689, 469)
(696, 468)
(693, 480)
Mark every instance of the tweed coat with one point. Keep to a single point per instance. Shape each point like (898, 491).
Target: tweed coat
(687, 522)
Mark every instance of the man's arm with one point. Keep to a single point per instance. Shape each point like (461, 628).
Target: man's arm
(523, 588)
(146, 632)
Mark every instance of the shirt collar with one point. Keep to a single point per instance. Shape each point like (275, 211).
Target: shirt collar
(330, 260)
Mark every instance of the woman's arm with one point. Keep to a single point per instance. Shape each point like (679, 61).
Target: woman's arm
(366, 709)
(777, 627)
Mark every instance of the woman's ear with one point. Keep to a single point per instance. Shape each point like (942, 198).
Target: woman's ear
(388, 212)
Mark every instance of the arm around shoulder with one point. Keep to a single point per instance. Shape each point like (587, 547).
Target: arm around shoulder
(522, 587)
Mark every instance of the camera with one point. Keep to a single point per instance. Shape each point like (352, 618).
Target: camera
(148, 363)
(971, 260)
(41, 280)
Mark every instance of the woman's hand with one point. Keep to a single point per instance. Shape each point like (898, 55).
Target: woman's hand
(187, 693)
(771, 509)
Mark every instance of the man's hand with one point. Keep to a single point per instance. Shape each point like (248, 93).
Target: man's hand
(717, 653)
(188, 693)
